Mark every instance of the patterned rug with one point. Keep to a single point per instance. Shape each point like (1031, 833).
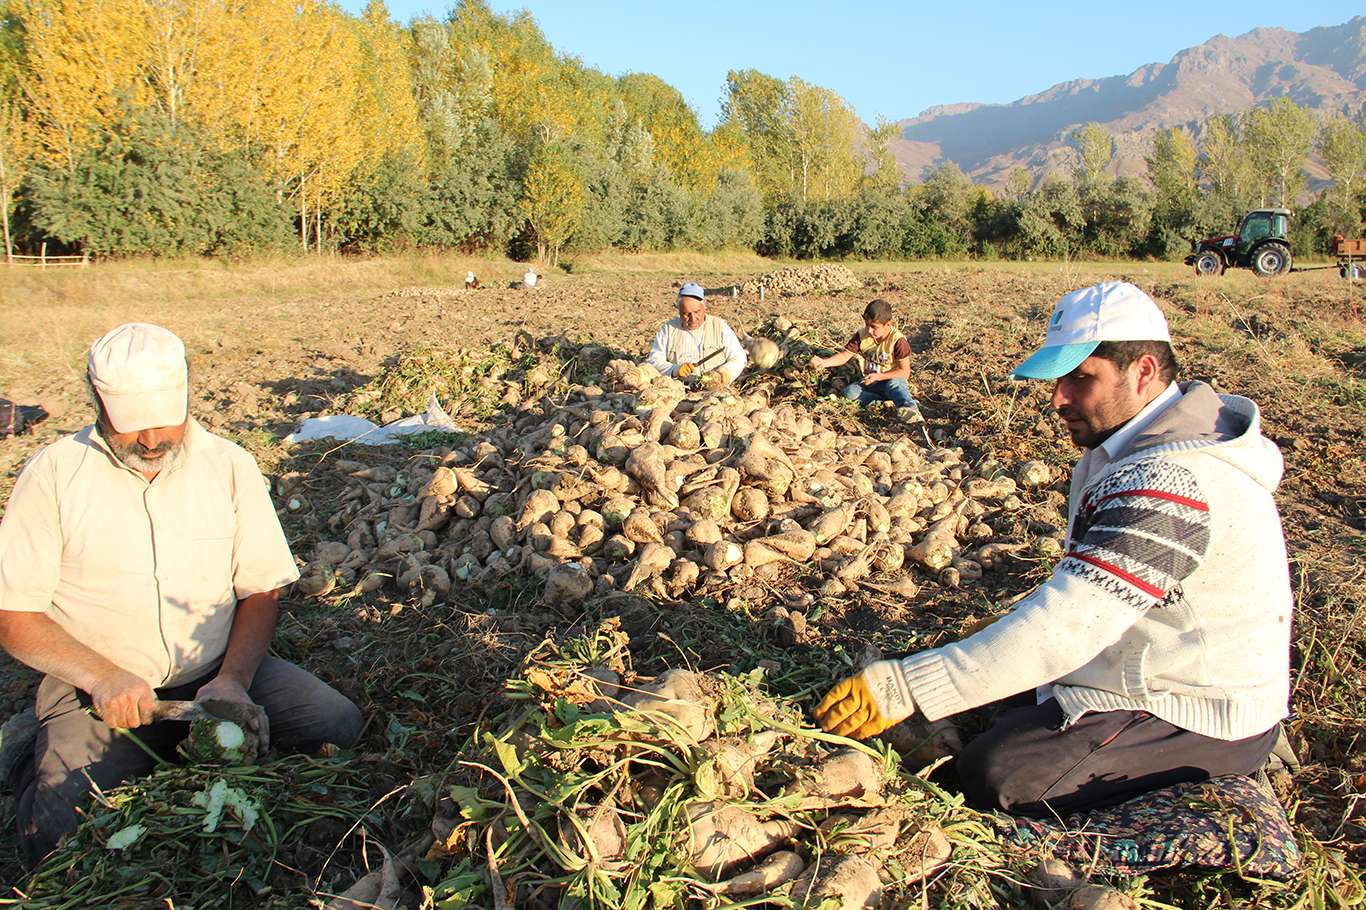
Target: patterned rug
(1226, 822)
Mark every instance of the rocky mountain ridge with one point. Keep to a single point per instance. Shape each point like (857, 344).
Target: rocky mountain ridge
(1323, 69)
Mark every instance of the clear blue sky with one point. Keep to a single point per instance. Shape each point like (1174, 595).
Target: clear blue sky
(890, 59)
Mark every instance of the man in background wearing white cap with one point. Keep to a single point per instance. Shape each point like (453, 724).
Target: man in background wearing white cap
(696, 346)
(1158, 651)
(141, 560)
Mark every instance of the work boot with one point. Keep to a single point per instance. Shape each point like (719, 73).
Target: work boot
(1276, 774)
(1283, 754)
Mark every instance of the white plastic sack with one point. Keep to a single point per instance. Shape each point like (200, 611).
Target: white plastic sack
(349, 428)
(333, 426)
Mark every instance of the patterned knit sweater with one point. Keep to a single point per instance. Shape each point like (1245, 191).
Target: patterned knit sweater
(1173, 596)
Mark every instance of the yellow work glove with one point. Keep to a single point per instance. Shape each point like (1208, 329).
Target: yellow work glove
(863, 706)
(685, 370)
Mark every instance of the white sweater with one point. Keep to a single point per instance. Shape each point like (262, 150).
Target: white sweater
(1173, 597)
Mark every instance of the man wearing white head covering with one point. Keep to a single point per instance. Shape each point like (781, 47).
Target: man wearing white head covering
(1158, 651)
(696, 346)
(141, 560)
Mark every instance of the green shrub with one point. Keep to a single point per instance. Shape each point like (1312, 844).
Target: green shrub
(153, 185)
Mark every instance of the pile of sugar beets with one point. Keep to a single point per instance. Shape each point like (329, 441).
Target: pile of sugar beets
(618, 790)
(815, 279)
(638, 483)
(604, 788)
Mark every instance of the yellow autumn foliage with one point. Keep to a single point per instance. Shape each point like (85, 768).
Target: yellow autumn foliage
(80, 55)
(386, 112)
(552, 203)
(317, 99)
(316, 92)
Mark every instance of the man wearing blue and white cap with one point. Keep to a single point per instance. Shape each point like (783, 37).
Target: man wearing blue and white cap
(696, 346)
(1158, 651)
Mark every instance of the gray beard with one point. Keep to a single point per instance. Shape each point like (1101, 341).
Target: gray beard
(133, 458)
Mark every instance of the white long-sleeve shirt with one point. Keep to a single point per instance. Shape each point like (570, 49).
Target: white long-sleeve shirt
(674, 346)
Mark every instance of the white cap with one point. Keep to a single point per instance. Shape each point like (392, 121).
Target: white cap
(139, 372)
(1081, 320)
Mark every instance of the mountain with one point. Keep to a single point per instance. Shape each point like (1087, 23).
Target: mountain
(1323, 68)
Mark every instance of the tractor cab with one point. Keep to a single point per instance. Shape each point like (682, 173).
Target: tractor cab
(1261, 225)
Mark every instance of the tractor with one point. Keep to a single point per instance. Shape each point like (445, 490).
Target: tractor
(1261, 244)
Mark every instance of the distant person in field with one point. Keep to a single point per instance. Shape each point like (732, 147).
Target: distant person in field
(140, 560)
(884, 358)
(695, 346)
(1158, 651)
(471, 281)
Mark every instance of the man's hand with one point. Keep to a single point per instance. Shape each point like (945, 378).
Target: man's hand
(863, 706)
(713, 379)
(222, 688)
(225, 697)
(123, 700)
(686, 369)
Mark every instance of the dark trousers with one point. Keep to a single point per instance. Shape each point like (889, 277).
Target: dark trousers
(304, 713)
(1026, 764)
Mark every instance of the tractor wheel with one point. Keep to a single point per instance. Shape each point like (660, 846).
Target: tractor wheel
(1209, 263)
(1272, 259)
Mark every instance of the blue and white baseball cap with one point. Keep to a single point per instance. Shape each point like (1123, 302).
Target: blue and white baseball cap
(692, 289)
(1109, 311)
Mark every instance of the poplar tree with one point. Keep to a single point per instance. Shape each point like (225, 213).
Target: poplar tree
(385, 111)
(824, 131)
(82, 60)
(289, 86)
(1225, 173)
(525, 91)
(552, 201)
(885, 175)
(14, 157)
(679, 144)
(1095, 151)
(1279, 138)
(754, 109)
(179, 35)
(1176, 193)
(1342, 145)
(15, 135)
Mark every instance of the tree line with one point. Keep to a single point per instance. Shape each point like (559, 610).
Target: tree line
(174, 127)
